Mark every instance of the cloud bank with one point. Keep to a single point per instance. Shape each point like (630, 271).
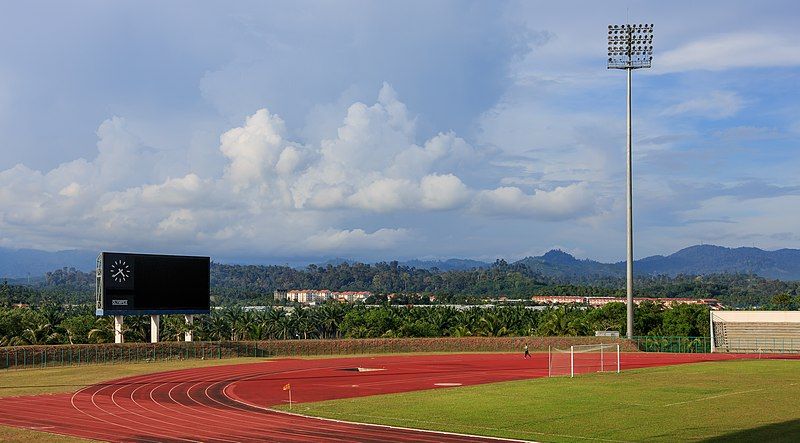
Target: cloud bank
(275, 195)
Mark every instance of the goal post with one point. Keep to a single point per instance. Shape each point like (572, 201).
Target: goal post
(583, 359)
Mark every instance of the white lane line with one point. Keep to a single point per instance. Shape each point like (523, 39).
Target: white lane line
(710, 397)
(401, 428)
(72, 401)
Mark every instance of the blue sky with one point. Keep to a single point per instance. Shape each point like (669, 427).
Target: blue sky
(378, 130)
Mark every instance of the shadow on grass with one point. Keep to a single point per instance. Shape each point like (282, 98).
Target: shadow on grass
(787, 431)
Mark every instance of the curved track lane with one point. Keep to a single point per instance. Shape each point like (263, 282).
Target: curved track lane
(230, 404)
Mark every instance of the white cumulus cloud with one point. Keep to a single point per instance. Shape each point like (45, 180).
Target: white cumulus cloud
(563, 202)
(274, 195)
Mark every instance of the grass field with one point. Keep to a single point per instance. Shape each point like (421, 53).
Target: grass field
(753, 400)
(72, 378)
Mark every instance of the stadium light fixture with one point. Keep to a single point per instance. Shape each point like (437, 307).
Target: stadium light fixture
(630, 47)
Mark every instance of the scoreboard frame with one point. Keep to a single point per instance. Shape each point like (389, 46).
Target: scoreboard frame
(152, 284)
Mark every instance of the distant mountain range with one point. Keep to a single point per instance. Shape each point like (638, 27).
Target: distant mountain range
(783, 264)
(19, 263)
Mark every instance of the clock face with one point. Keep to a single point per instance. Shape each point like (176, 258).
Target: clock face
(120, 271)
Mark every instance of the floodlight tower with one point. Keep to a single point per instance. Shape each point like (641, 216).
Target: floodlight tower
(630, 47)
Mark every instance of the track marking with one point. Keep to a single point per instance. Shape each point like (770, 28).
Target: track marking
(728, 394)
(456, 434)
(236, 400)
(72, 401)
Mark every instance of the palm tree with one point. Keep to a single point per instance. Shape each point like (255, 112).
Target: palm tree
(562, 321)
(461, 331)
(303, 322)
(442, 319)
(102, 332)
(328, 317)
(491, 325)
(11, 340)
(218, 327)
(274, 319)
(234, 318)
(42, 334)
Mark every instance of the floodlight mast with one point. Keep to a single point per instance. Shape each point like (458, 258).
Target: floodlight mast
(630, 47)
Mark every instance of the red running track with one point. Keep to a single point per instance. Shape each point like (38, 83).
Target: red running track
(230, 403)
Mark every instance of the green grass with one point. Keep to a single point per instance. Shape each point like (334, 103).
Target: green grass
(757, 400)
(19, 435)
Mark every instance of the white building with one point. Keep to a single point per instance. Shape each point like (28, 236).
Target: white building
(314, 296)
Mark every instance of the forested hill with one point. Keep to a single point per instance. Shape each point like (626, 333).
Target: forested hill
(252, 284)
(783, 264)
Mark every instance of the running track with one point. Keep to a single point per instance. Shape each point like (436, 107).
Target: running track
(230, 403)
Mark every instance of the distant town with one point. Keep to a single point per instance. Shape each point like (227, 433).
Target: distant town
(317, 296)
(313, 297)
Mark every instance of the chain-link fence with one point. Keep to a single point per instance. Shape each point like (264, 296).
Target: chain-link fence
(673, 344)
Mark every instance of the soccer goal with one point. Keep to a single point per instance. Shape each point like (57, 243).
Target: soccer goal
(583, 359)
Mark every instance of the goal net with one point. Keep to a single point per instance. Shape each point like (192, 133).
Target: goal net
(583, 359)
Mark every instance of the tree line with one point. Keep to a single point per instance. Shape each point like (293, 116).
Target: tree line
(254, 284)
(52, 324)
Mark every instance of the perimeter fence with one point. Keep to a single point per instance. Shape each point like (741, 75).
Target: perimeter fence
(44, 356)
(672, 344)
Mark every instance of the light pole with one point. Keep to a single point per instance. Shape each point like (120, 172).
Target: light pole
(630, 47)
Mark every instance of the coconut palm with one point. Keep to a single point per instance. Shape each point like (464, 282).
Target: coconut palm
(103, 331)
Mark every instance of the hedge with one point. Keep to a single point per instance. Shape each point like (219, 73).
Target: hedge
(65, 355)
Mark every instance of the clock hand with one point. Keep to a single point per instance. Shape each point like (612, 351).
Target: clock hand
(117, 273)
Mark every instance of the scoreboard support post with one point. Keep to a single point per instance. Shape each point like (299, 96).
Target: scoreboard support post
(154, 328)
(189, 334)
(118, 335)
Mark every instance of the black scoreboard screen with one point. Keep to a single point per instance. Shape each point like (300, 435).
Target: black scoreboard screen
(133, 284)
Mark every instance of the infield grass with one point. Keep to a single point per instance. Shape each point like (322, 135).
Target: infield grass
(737, 400)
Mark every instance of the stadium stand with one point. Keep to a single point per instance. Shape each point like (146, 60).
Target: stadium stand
(755, 331)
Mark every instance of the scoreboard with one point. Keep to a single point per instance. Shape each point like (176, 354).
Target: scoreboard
(138, 284)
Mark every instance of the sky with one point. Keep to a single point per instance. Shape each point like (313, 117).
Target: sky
(378, 130)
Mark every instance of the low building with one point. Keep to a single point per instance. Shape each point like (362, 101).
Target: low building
(596, 302)
(559, 299)
(352, 296)
(314, 296)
